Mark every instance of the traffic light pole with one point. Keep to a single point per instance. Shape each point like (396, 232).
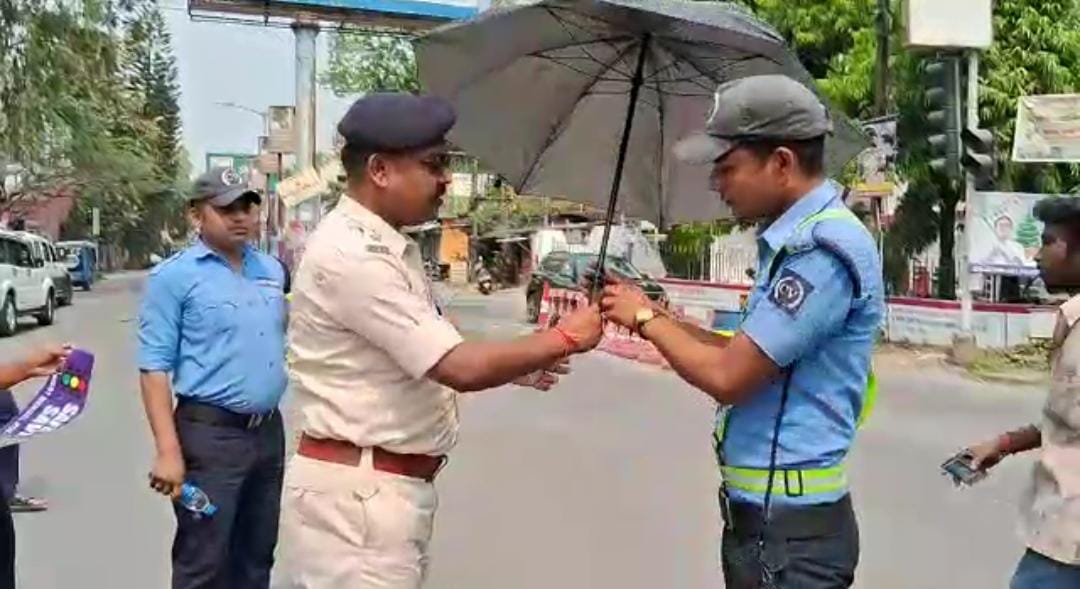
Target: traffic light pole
(966, 310)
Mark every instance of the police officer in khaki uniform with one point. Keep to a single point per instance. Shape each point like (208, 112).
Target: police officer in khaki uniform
(377, 367)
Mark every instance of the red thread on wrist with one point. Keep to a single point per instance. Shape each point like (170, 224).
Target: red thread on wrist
(1004, 444)
(571, 343)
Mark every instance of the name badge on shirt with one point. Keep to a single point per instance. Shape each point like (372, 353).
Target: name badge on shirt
(374, 248)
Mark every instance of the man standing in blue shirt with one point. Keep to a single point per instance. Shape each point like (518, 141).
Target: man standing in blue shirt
(212, 332)
(794, 382)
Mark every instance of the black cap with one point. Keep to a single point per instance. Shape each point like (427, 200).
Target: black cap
(222, 186)
(397, 122)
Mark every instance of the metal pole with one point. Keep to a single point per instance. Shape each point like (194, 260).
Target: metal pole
(624, 144)
(881, 90)
(305, 33)
(966, 311)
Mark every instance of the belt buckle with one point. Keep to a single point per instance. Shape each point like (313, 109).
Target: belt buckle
(725, 509)
(255, 420)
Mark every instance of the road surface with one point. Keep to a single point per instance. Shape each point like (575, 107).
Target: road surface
(606, 482)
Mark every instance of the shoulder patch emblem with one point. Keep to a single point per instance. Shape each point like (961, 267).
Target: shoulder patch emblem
(790, 292)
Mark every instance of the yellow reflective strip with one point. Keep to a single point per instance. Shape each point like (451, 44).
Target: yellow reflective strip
(779, 487)
(763, 473)
(869, 400)
(844, 214)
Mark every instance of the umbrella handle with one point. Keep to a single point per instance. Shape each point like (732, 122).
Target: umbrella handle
(624, 144)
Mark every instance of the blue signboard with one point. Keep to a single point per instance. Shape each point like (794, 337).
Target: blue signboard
(394, 11)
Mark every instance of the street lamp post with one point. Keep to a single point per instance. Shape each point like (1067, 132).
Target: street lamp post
(262, 114)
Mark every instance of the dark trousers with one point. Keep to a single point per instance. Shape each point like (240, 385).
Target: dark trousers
(810, 547)
(9, 456)
(9, 479)
(1036, 571)
(241, 471)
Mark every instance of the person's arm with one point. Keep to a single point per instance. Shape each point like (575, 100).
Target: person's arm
(477, 366)
(371, 295)
(167, 475)
(989, 453)
(41, 362)
(159, 340)
(807, 304)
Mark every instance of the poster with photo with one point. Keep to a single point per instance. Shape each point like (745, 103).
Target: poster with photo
(1004, 235)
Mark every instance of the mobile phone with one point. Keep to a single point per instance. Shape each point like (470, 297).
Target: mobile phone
(960, 468)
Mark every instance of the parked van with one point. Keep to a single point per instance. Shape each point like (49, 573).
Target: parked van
(56, 265)
(26, 285)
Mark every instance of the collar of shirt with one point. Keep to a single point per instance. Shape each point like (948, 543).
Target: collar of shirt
(779, 231)
(380, 230)
(201, 250)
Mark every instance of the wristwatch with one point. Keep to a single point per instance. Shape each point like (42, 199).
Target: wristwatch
(642, 317)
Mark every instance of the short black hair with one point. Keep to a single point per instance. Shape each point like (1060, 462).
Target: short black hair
(354, 159)
(810, 152)
(1064, 212)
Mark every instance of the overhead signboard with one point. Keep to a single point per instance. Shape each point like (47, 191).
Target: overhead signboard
(951, 24)
(282, 138)
(404, 14)
(241, 162)
(1047, 129)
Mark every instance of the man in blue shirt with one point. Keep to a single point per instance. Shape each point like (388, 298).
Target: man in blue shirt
(212, 332)
(794, 382)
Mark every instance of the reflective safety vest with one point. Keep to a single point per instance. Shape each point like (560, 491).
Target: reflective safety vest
(807, 481)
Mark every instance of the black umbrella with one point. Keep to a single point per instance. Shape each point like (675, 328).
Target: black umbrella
(583, 99)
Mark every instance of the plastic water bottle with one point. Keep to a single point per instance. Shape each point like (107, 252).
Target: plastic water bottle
(195, 500)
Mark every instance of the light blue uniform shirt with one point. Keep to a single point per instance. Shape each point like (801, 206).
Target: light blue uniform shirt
(807, 316)
(220, 333)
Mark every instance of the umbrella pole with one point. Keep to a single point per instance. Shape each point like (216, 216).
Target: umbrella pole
(635, 89)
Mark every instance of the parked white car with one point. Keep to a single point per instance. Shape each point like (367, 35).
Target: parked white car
(56, 266)
(26, 283)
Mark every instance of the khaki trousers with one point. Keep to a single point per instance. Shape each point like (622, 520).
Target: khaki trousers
(353, 527)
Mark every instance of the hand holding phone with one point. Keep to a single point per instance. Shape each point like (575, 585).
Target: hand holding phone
(962, 470)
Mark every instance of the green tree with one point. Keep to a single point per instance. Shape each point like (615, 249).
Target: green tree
(72, 121)
(371, 63)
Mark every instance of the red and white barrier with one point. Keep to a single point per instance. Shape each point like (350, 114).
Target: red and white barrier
(617, 340)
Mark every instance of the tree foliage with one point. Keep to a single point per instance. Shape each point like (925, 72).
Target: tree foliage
(363, 63)
(1036, 50)
(88, 109)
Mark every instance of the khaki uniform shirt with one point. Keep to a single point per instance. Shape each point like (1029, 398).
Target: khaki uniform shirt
(1050, 511)
(364, 331)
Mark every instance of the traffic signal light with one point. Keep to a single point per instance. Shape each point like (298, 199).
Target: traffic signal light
(978, 154)
(941, 98)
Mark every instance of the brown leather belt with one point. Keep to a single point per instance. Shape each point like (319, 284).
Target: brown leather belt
(417, 466)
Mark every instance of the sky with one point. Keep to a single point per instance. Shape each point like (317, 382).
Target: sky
(243, 64)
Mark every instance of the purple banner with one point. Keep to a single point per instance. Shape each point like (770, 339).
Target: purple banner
(59, 402)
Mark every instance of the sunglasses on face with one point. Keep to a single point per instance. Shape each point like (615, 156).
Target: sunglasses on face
(436, 163)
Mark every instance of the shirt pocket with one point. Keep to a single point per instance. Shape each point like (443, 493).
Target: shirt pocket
(212, 315)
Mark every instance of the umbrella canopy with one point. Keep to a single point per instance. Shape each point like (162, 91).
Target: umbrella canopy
(544, 93)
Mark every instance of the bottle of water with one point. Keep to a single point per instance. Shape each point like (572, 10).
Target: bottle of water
(195, 500)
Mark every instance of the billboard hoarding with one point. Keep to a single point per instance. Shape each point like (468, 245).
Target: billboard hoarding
(1047, 129)
(1004, 235)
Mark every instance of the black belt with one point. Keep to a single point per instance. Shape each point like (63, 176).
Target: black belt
(791, 521)
(207, 414)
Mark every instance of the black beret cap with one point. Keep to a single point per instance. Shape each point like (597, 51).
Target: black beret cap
(397, 122)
